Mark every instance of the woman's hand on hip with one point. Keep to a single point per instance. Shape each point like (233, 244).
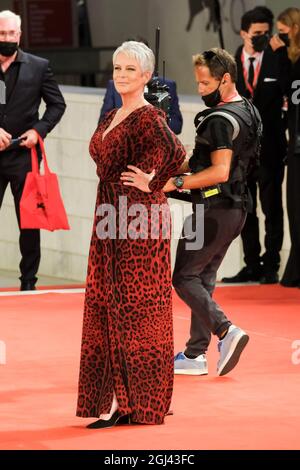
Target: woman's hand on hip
(137, 178)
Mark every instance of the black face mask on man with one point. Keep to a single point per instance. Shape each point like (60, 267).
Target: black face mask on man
(284, 38)
(7, 49)
(260, 43)
(213, 98)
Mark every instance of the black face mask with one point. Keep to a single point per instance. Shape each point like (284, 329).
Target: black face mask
(8, 48)
(284, 38)
(213, 98)
(261, 42)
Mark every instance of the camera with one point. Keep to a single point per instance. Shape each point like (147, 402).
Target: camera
(158, 95)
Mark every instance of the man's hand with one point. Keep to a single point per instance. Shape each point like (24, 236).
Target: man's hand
(137, 178)
(30, 139)
(5, 139)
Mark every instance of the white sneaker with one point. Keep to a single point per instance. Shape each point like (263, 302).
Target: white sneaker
(185, 366)
(230, 349)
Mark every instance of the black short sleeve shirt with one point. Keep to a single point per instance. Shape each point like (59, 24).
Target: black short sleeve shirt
(214, 135)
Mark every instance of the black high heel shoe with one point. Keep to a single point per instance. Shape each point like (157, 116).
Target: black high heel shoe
(116, 418)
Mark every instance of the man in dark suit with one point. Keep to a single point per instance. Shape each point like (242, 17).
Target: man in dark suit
(263, 77)
(112, 100)
(24, 81)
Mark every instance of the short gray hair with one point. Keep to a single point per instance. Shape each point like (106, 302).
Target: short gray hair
(140, 52)
(10, 14)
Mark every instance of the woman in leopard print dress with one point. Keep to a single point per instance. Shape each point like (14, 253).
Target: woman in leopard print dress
(126, 364)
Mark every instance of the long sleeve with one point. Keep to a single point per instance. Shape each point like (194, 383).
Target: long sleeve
(284, 69)
(175, 113)
(166, 151)
(55, 104)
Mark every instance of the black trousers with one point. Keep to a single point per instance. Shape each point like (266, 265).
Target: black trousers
(291, 276)
(14, 166)
(269, 182)
(195, 271)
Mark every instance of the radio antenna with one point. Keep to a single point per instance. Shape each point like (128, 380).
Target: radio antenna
(164, 71)
(157, 36)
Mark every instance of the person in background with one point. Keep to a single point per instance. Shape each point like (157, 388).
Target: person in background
(25, 80)
(126, 367)
(288, 25)
(263, 77)
(112, 99)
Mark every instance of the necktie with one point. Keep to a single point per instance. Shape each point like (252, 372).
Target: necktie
(251, 71)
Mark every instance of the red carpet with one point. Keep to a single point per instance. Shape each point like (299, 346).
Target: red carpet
(255, 407)
(58, 287)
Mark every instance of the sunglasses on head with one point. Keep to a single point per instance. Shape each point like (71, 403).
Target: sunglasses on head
(209, 55)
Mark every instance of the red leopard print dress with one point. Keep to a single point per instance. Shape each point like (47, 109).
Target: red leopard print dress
(127, 340)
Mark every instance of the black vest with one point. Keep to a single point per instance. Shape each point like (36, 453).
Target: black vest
(247, 132)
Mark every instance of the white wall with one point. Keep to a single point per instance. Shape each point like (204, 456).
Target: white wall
(64, 253)
(277, 6)
(113, 21)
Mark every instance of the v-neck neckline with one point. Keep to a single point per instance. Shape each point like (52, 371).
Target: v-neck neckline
(103, 137)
